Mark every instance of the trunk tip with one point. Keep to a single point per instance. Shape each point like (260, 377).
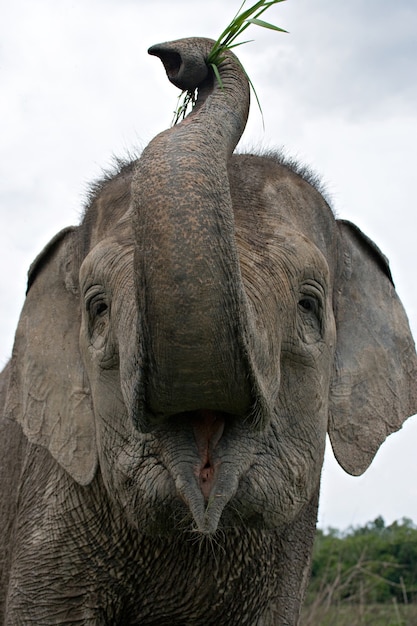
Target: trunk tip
(184, 61)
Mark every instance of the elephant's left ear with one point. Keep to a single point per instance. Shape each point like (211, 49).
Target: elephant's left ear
(48, 393)
(374, 386)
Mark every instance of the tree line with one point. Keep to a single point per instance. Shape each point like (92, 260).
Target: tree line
(373, 564)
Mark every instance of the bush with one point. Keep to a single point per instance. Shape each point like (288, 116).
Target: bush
(370, 565)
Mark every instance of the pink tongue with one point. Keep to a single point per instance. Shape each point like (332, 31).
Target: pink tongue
(208, 427)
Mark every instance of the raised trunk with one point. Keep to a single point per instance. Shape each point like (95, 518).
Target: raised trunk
(193, 326)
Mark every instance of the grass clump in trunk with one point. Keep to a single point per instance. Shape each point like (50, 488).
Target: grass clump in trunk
(227, 41)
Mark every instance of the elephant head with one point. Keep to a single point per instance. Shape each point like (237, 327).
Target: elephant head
(206, 324)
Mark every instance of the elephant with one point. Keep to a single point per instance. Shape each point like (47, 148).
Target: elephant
(180, 356)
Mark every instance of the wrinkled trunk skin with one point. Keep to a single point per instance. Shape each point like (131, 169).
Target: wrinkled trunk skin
(194, 326)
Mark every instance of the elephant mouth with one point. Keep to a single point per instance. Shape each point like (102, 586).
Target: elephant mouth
(207, 478)
(208, 428)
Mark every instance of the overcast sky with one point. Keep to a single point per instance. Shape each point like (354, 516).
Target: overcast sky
(339, 92)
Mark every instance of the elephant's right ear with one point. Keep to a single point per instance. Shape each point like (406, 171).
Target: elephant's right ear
(48, 392)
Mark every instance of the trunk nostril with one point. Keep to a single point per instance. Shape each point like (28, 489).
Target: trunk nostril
(185, 65)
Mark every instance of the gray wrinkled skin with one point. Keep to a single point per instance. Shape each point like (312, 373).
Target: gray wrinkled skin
(180, 356)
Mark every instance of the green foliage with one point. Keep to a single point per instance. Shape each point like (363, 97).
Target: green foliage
(370, 565)
(227, 41)
(237, 26)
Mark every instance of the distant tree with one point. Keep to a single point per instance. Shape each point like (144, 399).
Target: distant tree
(370, 564)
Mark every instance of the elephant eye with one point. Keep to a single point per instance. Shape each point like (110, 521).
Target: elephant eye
(97, 305)
(98, 335)
(310, 307)
(99, 308)
(309, 304)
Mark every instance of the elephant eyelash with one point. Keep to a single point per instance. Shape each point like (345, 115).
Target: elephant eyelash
(96, 305)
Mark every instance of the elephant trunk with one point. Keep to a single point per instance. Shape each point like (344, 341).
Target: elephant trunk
(191, 301)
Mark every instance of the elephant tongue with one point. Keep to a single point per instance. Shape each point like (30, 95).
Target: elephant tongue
(208, 427)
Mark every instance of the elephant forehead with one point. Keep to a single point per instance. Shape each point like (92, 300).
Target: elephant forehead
(303, 253)
(282, 252)
(268, 191)
(106, 260)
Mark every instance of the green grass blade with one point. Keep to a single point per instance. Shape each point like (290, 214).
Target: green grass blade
(217, 74)
(266, 25)
(239, 23)
(240, 43)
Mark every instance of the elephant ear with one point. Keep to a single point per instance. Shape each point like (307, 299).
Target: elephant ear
(48, 392)
(374, 386)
